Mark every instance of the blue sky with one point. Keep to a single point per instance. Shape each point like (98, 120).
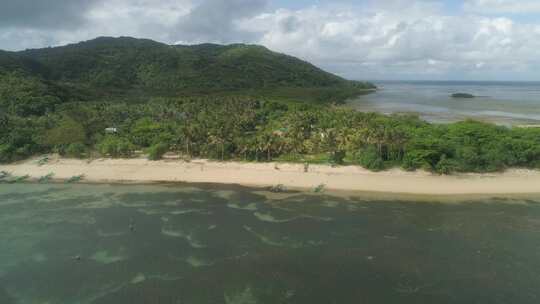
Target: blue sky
(358, 39)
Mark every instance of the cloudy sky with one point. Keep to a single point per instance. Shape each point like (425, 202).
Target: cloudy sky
(359, 39)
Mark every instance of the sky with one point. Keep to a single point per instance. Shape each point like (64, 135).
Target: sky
(357, 39)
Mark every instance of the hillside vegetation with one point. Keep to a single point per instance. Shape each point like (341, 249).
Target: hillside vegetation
(128, 67)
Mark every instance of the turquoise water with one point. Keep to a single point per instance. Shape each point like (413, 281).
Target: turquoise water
(505, 103)
(209, 244)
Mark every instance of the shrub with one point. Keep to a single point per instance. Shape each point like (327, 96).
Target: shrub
(147, 132)
(420, 159)
(370, 159)
(6, 152)
(116, 147)
(469, 158)
(76, 150)
(68, 131)
(446, 166)
(337, 157)
(156, 151)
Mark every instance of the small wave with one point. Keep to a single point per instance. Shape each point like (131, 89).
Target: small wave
(249, 207)
(265, 217)
(186, 236)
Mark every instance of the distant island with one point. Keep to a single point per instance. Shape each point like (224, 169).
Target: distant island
(463, 95)
(132, 98)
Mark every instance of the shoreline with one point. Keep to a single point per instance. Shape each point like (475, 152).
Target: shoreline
(292, 176)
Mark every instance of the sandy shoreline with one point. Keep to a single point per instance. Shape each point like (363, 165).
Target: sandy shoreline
(350, 178)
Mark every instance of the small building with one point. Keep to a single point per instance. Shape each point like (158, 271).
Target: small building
(111, 130)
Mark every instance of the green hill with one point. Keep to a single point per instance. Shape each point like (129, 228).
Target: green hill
(10, 61)
(120, 66)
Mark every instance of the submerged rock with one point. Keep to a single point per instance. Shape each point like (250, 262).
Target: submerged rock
(278, 188)
(463, 95)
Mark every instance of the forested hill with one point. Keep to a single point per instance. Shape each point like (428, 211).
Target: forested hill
(122, 65)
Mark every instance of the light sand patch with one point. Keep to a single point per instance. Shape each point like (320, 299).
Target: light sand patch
(172, 233)
(105, 257)
(317, 218)
(248, 207)
(225, 194)
(263, 238)
(330, 204)
(188, 211)
(281, 242)
(150, 211)
(198, 262)
(172, 204)
(266, 217)
(103, 203)
(353, 208)
(164, 277)
(103, 292)
(104, 234)
(276, 196)
(193, 242)
(176, 212)
(139, 278)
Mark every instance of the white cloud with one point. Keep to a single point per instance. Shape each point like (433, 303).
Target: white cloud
(214, 21)
(377, 39)
(502, 6)
(381, 43)
(138, 18)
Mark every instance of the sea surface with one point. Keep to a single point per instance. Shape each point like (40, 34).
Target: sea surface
(223, 244)
(504, 103)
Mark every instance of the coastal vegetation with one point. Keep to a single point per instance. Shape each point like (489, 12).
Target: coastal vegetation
(246, 129)
(46, 178)
(117, 97)
(75, 179)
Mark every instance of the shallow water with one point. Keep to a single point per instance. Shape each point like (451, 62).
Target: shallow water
(209, 244)
(505, 103)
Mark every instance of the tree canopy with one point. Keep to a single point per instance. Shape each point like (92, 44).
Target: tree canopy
(243, 128)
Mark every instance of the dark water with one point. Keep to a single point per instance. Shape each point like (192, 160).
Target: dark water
(505, 103)
(237, 245)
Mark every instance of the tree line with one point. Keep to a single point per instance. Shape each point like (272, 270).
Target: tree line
(255, 129)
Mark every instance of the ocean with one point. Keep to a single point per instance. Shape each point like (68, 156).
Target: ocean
(97, 244)
(503, 103)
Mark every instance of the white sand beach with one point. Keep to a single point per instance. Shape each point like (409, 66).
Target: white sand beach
(348, 178)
